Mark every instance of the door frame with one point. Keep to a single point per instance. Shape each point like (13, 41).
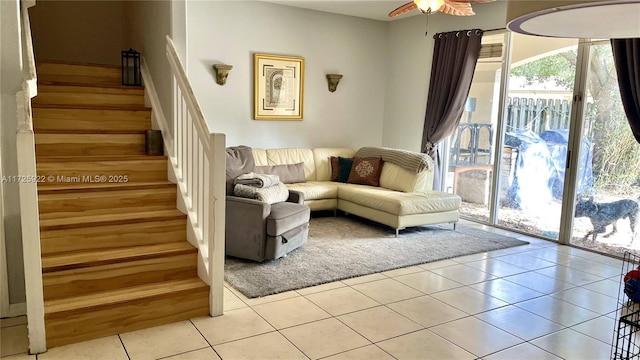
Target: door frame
(575, 141)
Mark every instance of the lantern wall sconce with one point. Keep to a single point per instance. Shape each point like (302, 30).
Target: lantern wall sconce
(131, 68)
(222, 71)
(334, 80)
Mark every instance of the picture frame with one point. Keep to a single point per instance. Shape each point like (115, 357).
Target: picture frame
(278, 87)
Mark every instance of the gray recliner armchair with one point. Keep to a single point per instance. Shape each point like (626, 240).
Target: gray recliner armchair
(257, 230)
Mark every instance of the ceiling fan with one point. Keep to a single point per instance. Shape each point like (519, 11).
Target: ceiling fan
(450, 7)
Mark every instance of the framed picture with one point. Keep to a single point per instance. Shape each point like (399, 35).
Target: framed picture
(278, 87)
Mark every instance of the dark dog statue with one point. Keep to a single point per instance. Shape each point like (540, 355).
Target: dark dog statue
(604, 214)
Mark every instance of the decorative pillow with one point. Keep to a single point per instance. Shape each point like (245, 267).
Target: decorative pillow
(345, 168)
(239, 161)
(335, 168)
(288, 174)
(366, 171)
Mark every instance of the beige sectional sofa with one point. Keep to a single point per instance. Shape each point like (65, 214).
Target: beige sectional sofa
(403, 199)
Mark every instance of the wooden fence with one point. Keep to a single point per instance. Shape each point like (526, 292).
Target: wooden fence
(539, 115)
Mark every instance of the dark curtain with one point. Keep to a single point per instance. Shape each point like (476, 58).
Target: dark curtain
(455, 55)
(626, 55)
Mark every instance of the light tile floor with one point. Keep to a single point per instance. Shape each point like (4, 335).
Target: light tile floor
(538, 301)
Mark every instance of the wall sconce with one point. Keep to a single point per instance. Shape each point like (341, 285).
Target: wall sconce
(222, 71)
(334, 80)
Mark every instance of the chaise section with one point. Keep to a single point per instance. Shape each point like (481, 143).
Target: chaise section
(397, 209)
(398, 203)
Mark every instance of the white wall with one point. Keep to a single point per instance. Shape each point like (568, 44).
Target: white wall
(10, 82)
(230, 32)
(147, 25)
(410, 69)
(179, 29)
(79, 31)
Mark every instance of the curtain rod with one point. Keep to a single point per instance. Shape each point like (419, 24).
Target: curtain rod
(496, 29)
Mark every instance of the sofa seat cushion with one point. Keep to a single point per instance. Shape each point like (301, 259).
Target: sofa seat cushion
(286, 216)
(316, 190)
(399, 203)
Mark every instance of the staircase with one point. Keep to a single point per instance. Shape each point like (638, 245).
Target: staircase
(115, 256)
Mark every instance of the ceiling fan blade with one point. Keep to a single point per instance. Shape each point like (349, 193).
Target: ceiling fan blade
(471, 1)
(403, 9)
(457, 8)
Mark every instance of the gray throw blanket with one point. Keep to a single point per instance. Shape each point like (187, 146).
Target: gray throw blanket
(257, 180)
(271, 195)
(408, 160)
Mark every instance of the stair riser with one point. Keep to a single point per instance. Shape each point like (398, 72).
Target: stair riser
(89, 145)
(49, 119)
(61, 98)
(93, 75)
(86, 324)
(89, 280)
(95, 203)
(113, 171)
(113, 236)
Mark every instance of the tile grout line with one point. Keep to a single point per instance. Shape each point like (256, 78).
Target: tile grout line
(124, 347)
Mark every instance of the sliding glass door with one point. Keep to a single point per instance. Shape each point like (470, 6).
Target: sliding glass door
(544, 146)
(608, 178)
(536, 132)
(513, 135)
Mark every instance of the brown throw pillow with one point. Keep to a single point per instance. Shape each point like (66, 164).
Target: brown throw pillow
(288, 173)
(366, 171)
(335, 168)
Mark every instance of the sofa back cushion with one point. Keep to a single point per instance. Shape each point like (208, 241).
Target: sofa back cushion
(260, 157)
(288, 173)
(394, 177)
(293, 156)
(323, 164)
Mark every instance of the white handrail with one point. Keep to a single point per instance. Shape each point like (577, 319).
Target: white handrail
(29, 69)
(198, 159)
(28, 188)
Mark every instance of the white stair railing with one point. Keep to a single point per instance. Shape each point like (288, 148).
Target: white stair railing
(198, 159)
(28, 187)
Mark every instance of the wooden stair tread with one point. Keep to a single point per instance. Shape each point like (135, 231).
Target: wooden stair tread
(99, 158)
(86, 187)
(78, 144)
(120, 296)
(76, 138)
(91, 89)
(111, 86)
(90, 132)
(109, 192)
(77, 63)
(108, 219)
(93, 107)
(65, 261)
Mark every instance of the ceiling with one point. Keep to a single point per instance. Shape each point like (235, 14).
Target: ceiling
(594, 19)
(376, 10)
(579, 19)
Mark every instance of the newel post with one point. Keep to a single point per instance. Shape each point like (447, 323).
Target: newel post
(217, 176)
